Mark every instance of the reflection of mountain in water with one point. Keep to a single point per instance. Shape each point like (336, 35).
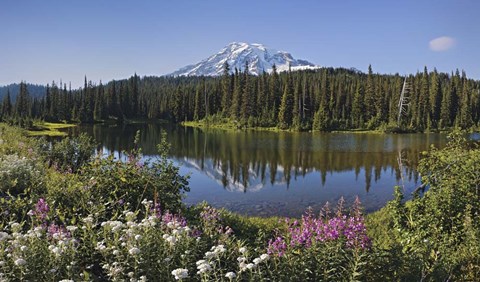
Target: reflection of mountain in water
(255, 182)
(246, 160)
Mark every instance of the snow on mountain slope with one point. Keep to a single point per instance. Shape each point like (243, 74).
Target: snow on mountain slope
(259, 58)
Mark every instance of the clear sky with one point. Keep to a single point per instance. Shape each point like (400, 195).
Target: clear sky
(41, 41)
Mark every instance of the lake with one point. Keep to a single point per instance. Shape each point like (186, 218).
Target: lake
(280, 173)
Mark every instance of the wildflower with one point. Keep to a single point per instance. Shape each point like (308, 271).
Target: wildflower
(277, 246)
(203, 267)
(264, 257)
(138, 237)
(56, 251)
(202, 261)
(15, 226)
(72, 228)
(209, 255)
(4, 236)
(170, 239)
(242, 250)
(230, 275)
(250, 266)
(65, 280)
(134, 251)
(180, 273)
(243, 266)
(88, 220)
(241, 259)
(20, 262)
(100, 246)
(210, 214)
(41, 209)
(219, 249)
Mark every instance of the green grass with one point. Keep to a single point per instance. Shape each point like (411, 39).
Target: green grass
(49, 129)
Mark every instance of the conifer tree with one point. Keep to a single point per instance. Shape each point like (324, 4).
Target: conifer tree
(435, 96)
(285, 115)
(226, 89)
(237, 95)
(369, 101)
(6, 105)
(358, 107)
(273, 94)
(465, 116)
(247, 96)
(22, 108)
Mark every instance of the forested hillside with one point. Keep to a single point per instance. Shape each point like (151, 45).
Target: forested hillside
(324, 99)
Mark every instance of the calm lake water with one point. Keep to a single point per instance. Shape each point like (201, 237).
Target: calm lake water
(280, 173)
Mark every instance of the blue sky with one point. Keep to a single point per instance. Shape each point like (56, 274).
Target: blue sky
(41, 41)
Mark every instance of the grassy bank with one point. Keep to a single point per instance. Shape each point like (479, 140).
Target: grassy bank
(49, 129)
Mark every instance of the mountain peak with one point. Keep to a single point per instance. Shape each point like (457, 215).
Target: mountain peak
(259, 57)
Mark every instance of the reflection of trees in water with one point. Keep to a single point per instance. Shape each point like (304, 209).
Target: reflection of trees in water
(267, 155)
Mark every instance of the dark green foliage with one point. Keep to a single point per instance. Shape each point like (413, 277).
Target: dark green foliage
(71, 153)
(6, 109)
(339, 98)
(436, 230)
(285, 114)
(22, 108)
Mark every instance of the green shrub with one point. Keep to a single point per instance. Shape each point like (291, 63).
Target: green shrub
(17, 174)
(70, 153)
(436, 229)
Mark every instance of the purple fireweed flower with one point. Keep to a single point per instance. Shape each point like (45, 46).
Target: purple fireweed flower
(169, 217)
(310, 230)
(41, 209)
(210, 214)
(277, 246)
(157, 210)
(196, 233)
(57, 231)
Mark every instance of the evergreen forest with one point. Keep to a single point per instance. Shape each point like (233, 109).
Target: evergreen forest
(326, 99)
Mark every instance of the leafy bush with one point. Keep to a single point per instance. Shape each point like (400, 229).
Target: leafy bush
(436, 230)
(17, 174)
(70, 153)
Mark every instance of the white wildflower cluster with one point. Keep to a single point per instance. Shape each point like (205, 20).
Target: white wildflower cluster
(180, 273)
(88, 220)
(114, 270)
(177, 231)
(134, 251)
(170, 239)
(151, 221)
(61, 244)
(147, 204)
(244, 265)
(230, 275)
(17, 172)
(17, 247)
(4, 236)
(113, 225)
(203, 266)
(215, 251)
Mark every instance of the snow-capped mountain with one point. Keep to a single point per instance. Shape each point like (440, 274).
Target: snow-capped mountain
(259, 58)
